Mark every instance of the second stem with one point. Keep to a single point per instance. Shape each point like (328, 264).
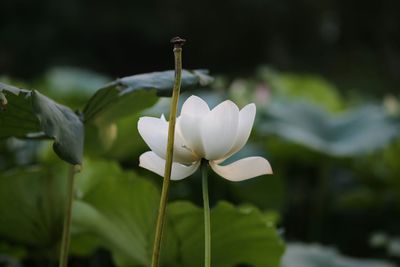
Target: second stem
(67, 217)
(206, 207)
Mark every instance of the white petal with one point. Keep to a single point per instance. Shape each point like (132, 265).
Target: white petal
(218, 130)
(193, 111)
(246, 120)
(243, 169)
(151, 161)
(189, 127)
(154, 132)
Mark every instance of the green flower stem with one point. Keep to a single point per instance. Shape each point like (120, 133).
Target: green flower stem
(206, 207)
(67, 217)
(178, 42)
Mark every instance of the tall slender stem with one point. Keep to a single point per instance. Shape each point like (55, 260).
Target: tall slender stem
(178, 42)
(206, 207)
(67, 217)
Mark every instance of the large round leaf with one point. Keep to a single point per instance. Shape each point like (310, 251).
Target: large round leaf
(16, 115)
(353, 133)
(239, 235)
(302, 255)
(129, 95)
(30, 114)
(31, 207)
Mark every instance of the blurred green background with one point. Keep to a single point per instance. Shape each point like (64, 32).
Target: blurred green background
(323, 74)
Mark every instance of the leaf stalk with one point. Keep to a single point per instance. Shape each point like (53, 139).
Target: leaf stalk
(67, 217)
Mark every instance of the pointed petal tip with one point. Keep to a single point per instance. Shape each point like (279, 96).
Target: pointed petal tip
(194, 105)
(251, 106)
(228, 102)
(143, 120)
(249, 109)
(140, 124)
(267, 166)
(269, 170)
(195, 99)
(142, 158)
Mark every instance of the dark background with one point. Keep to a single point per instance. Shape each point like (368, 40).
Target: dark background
(355, 44)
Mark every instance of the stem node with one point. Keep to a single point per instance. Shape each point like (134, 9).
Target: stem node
(178, 42)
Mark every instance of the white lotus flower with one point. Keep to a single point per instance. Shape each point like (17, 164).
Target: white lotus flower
(214, 135)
